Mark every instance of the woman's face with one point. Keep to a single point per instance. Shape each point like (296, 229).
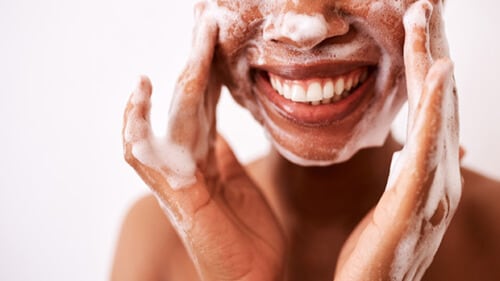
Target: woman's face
(325, 78)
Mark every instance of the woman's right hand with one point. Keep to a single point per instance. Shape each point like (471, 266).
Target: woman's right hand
(223, 219)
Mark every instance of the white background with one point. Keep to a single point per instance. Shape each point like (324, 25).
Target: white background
(66, 69)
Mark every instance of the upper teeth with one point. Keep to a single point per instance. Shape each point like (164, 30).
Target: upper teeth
(316, 91)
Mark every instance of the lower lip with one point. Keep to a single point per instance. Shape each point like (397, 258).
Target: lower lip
(316, 115)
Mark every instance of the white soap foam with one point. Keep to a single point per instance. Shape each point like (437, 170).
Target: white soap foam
(421, 241)
(135, 130)
(177, 154)
(173, 161)
(395, 169)
(416, 251)
(294, 158)
(308, 30)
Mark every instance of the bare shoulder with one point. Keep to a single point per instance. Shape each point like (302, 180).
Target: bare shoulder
(482, 188)
(479, 207)
(471, 246)
(149, 248)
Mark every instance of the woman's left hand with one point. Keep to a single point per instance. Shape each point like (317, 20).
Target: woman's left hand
(399, 238)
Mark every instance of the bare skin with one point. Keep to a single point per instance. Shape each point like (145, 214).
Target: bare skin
(149, 248)
(275, 220)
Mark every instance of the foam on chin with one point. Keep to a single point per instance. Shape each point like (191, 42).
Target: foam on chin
(372, 138)
(296, 159)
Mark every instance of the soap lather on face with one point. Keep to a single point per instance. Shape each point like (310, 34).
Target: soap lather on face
(301, 40)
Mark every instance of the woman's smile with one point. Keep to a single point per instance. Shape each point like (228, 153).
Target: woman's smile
(317, 101)
(321, 96)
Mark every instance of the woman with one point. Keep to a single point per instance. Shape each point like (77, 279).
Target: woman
(336, 198)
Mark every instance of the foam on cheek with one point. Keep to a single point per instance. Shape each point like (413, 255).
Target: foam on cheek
(229, 17)
(227, 20)
(373, 131)
(387, 6)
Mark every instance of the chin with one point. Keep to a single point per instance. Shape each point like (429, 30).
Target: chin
(332, 150)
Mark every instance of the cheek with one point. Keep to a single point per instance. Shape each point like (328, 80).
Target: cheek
(387, 26)
(232, 34)
(236, 21)
(236, 30)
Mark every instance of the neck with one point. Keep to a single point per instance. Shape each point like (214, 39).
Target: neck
(339, 194)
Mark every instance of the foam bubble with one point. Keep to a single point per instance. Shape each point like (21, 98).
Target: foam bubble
(173, 161)
(297, 27)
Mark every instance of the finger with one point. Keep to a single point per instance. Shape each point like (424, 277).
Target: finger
(192, 85)
(417, 55)
(433, 139)
(439, 99)
(415, 213)
(192, 113)
(136, 125)
(438, 184)
(439, 43)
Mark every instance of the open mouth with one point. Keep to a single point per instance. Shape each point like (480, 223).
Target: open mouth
(319, 91)
(317, 101)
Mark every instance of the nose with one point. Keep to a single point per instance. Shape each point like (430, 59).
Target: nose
(304, 24)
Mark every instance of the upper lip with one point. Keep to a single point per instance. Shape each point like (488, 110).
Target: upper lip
(321, 69)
